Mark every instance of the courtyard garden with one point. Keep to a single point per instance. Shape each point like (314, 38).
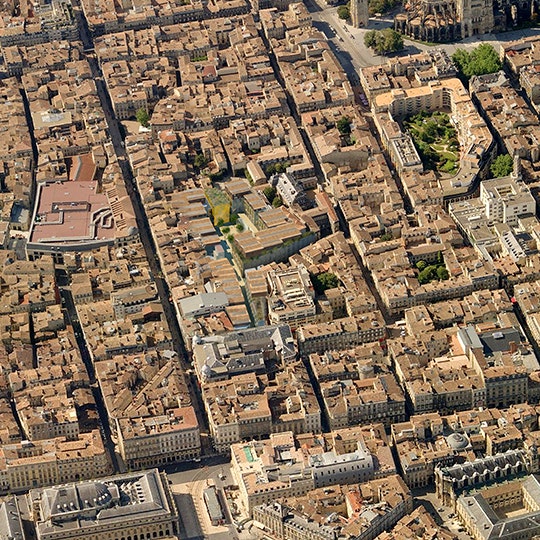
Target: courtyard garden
(436, 141)
(435, 271)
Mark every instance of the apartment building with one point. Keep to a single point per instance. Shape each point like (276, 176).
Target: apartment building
(341, 333)
(158, 440)
(149, 408)
(288, 465)
(370, 509)
(251, 406)
(249, 350)
(419, 524)
(514, 123)
(377, 398)
(27, 465)
(291, 299)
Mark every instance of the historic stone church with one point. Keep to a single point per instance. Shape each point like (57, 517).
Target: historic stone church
(449, 20)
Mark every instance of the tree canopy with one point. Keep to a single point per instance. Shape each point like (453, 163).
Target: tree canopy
(383, 41)
(142, 117)
(200, 161)
(344, 125)
(270, 192)
(481, 60)
(344, 12)
(381, 6)
(502, 165)
(324, 281)
(277, 201)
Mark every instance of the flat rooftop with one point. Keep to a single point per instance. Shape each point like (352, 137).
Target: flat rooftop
(73, 211)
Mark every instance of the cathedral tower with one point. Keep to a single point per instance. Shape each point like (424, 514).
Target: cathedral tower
(359, 13)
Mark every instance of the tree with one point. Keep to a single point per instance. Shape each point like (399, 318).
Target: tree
(370, 39)
(230, 238)
(480, 61)
(383, 41)
(269, 193)
(142, 117)
(427, 274)
(386, 237)
(502, 166)
(226, 230)
(381, 6)
(344, 12)
(421, 265)
(344, 125)
(393, 41)
(239, 227)
(281, 167)
(200, 161)
(324, 281)
(220, 222)
(270, 169)
(442, 273)
(277, 202)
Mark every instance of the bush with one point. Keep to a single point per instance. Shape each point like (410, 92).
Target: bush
(269, 170)
(442, 273)
(428, 274)
(230, 238)
(226, 230)
(502, 166)
(282, 167)
(239, 227)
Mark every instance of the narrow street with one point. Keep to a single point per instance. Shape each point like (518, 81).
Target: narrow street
(69, 306)
(146, 237)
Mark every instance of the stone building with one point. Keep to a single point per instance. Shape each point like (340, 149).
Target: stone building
(136, 505)
(359, 13)
(448, 20)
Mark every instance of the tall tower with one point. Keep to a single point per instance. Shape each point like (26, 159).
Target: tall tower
(359, 13)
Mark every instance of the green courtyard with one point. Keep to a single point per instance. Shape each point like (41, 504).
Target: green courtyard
(436, 141)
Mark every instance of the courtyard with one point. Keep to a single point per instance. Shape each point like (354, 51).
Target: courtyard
(436, 141)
